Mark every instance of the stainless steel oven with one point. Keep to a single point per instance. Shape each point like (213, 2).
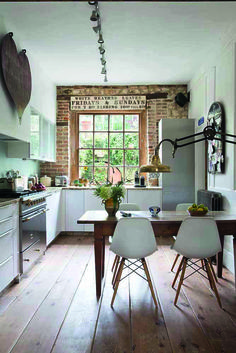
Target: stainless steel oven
(32, 229)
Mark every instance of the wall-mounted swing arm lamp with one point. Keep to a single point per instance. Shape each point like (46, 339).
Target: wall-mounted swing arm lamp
(209, 133)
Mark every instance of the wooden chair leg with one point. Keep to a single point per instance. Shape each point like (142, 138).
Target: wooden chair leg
(212, 269)
(213, 284)
(114, 262)
(177, 272)
(149, 280)
(175, 260)
(208, 275)
(115, 271)
(181, 279)
(118, 277)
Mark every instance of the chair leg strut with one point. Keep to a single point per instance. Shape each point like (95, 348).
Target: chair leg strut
(178, 271)
(175, 260)
(149, 280)
(117, 281)
(181, 279)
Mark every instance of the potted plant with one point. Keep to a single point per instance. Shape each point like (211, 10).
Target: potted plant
(111, 196)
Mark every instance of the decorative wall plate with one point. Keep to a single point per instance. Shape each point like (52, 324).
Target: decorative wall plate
(16, 73)
(216, 148)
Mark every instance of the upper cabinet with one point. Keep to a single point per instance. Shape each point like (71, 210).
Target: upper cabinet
(42, 144)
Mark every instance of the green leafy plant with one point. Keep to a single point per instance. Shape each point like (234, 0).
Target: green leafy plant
(109, 191)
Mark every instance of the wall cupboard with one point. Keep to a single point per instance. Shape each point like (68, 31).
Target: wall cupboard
(42, 145)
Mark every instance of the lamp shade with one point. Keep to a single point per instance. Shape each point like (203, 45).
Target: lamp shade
(155, 166)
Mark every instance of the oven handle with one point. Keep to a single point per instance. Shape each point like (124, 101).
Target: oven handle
(34, 215)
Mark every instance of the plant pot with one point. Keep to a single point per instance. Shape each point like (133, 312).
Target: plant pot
(111, 207)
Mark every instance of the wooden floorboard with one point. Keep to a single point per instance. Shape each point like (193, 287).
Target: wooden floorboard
(54, 308)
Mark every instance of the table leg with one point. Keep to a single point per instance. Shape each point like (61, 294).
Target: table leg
(103, 256)
(219, 258)
(234, 247)
(98, 252)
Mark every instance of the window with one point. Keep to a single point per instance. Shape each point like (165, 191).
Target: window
(104, 140)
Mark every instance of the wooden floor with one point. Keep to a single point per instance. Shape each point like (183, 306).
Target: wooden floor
(54, 308)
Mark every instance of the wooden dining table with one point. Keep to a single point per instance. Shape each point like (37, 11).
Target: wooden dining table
(165, 224)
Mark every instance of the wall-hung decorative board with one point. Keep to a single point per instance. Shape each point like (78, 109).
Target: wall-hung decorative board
(16, 73)
(216, 148)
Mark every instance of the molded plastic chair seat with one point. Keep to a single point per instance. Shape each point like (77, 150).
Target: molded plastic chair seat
(180, 207)
(133, 239)
(122, 207)
(198, 238)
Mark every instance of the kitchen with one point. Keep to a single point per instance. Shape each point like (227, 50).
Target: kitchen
(54, 159)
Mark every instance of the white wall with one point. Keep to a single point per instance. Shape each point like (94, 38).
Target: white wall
(215, 81)
(43, 96)
(43, 99)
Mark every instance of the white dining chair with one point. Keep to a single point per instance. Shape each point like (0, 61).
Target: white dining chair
(123, 207)
(197, 240)
(180, 207)
(133, 240)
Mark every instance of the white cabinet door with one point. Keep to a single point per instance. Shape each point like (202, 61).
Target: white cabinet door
(53, 216)
(74, 210)
(9, 244)
(91, 202)
(145, 198)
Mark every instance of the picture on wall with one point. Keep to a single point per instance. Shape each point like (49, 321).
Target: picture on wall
(216, 147)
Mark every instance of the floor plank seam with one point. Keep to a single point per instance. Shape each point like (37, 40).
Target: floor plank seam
(69, 306)
(100, 301)
(191, 306)
(49, 291)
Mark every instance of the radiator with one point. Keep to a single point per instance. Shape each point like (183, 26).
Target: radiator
(211, 199)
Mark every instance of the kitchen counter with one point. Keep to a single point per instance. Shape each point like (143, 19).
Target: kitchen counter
(7, 201)
(128, 187)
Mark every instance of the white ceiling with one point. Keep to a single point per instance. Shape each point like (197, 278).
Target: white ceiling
(145, 42)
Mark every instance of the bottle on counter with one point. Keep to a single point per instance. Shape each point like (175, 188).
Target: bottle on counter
(142, 181)
(136, 178)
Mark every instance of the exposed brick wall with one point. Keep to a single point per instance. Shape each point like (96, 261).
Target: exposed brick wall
(157, 109)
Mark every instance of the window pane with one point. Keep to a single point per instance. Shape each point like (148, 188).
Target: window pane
(100, 174)
(86, 139)
(34, 123)
(129, 174)
(132, 157)
(116, 122)
(116, 157)
(86, 157)
(116, 140)
(101, 140)
(101, 122)
(100, 157)
(86, 172)
(34, 144)
(131, 122)
(131, 140)
(85, 122)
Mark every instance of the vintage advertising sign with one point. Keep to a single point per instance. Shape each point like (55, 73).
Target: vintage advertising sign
(108, 102)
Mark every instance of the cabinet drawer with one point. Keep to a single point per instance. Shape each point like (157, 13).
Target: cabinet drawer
(7, 211)
(6, 245)
(6, 273)
(6, 225)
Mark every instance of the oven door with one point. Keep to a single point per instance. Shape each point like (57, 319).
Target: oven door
(32, 237)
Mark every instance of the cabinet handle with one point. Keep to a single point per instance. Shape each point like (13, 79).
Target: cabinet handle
(26, 260)
(4, 262)
(8, 231)
(36, 249)
(6, 219)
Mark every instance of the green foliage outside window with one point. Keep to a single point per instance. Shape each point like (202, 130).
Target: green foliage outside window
(122, 152)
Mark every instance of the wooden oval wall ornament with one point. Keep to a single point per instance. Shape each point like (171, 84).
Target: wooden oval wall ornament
(16, 73)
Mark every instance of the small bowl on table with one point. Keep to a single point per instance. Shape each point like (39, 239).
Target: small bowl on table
(196, 213)
(154, 210)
